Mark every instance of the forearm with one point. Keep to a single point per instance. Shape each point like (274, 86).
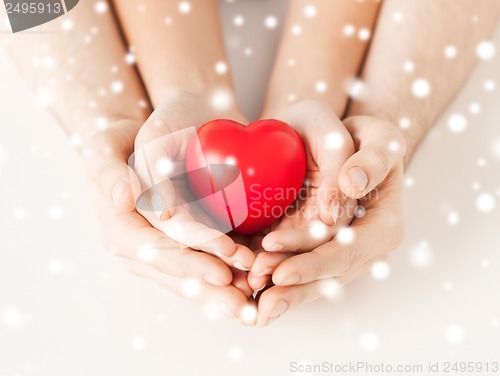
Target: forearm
(406, 56)
(323, 45)
(80, 72)
(178, 46)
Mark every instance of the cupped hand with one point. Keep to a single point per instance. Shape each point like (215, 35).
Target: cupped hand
(145, 250)
(321, 209)
(374, 176)
(165, 198)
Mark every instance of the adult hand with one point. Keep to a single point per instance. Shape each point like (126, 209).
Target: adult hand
(321, 209)
(374, 175)
(145, 250)
(165, 198)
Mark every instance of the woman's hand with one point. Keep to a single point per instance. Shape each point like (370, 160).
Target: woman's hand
(321, 209)
(374, 176)
(164, 197)
(145, 250)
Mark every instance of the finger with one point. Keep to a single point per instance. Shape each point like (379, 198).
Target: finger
(265, 263)
(258, 283)
(105, 158)
(277, 300)
(229, 299)
(380, 146)
(241, 282)
(330, 145)
(130, 236)
(351, 247)
(307, 235)
(183, 229)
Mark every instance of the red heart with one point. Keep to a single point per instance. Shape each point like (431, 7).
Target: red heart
(266, 159)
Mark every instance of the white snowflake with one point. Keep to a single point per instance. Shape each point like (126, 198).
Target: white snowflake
(191, 287)
(310, 11)
(404, 123)
(450, 51)
(238, 20)
(67, 24)
(489, 85)
(184, 7)
(364, 33)
(20, 213)
(334, 140)
(55, 266)
(349, 30)
(56, 212)
(331, 289)
(454, 333)
(138, 343)
(485, 202)
(130, 58)
(296, 30)
(345, 235)
(457, 123)
(320, 86)
(474, 108)
(248, 314)
(101, 7)
(369, 341)
(408, 66)
(271, 22)
(380, 270)
(485, 50)
(117, 87)
(421, 256)
(148, 254)
(221, 67)
(235, 353)
(453, 218)
(318, 230)
(421, 88)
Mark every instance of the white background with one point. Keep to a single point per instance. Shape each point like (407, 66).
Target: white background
(69, 308)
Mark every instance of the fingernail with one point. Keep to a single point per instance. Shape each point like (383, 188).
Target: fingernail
(272, 319)
(224, 308)
(280, 308)
(158, 205)
(262, 271)
(238, 265)
(358, 178)
(118, 191)
(212, 280)
(292, 280)
(260, 288)
(276, 247)
(335, 210)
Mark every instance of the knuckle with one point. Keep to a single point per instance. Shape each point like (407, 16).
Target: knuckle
(319, 270)
(378, 161)
(353, 259)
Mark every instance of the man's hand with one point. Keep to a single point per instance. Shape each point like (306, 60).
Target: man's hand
(377, 229)
(321, 208)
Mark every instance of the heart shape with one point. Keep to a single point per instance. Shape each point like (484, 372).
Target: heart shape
(247, 174)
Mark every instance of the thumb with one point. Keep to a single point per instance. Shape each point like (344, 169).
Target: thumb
(380, 147)
(105, 157)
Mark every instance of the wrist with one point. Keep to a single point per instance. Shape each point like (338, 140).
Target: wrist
(278, 99)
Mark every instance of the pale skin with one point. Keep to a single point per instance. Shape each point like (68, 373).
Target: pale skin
(181, 95)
